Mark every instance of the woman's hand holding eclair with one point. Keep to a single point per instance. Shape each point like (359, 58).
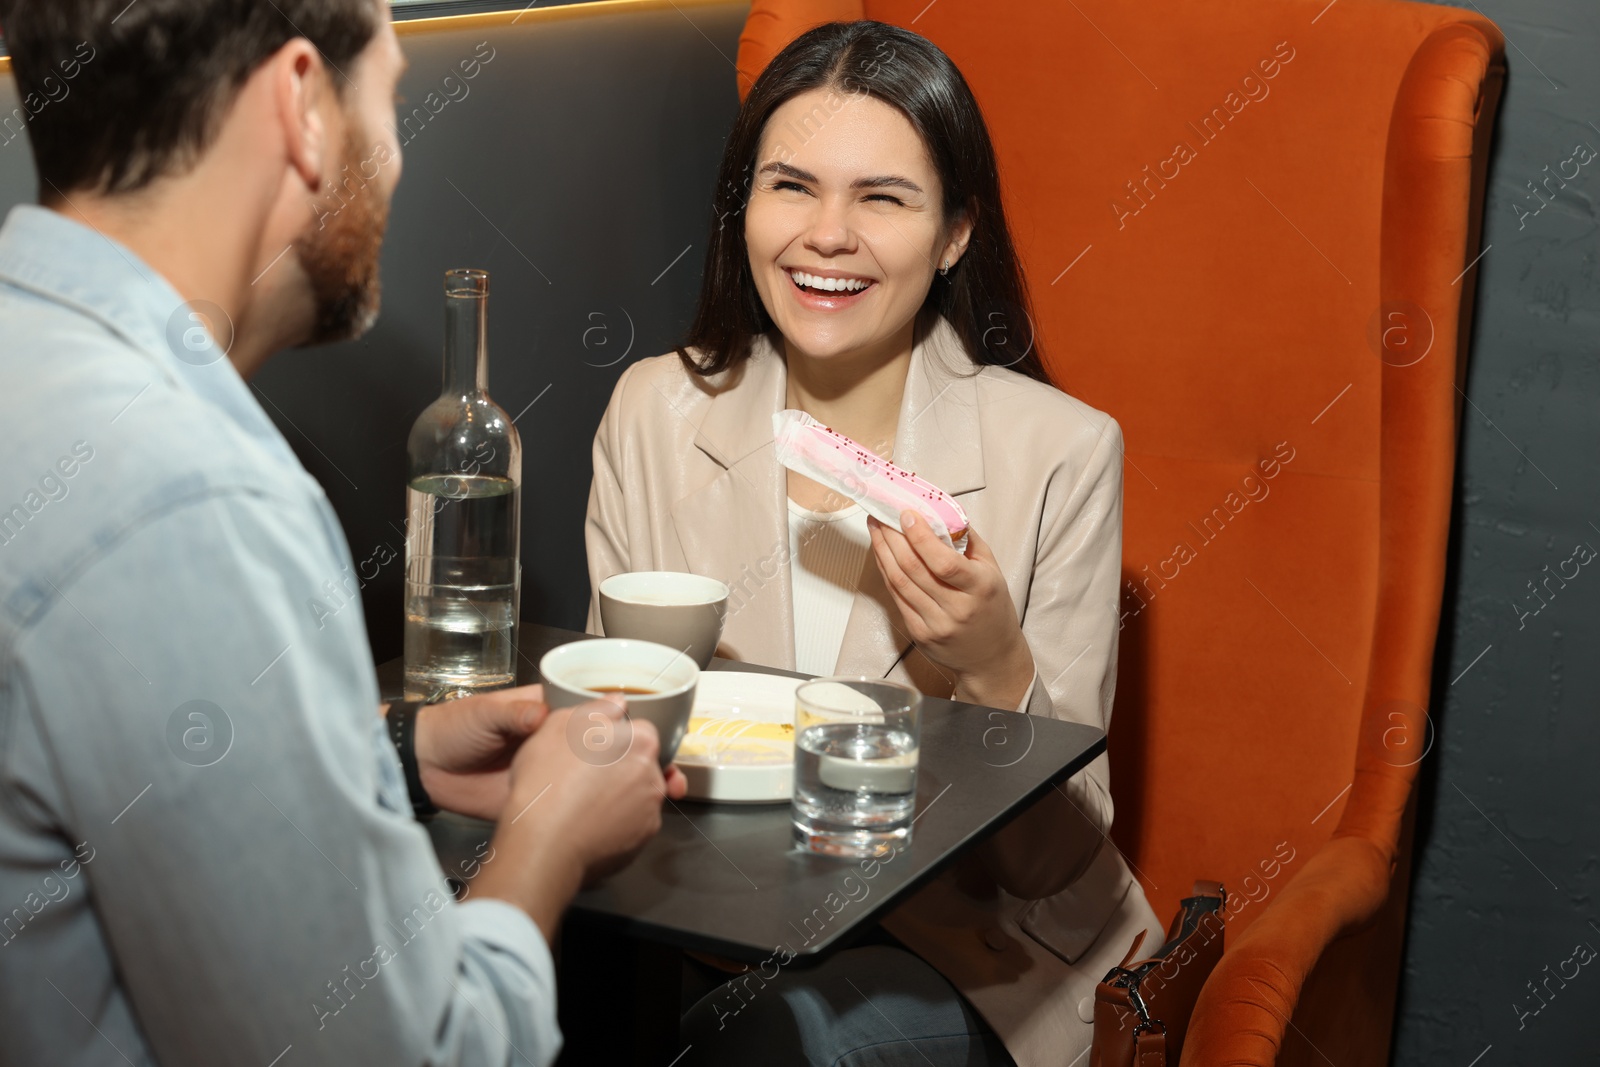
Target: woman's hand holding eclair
(956, 607)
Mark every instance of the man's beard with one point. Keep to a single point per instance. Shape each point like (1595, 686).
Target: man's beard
(340, 256)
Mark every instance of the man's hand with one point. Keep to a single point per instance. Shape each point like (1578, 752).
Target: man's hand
(465, 747)
(576, 810)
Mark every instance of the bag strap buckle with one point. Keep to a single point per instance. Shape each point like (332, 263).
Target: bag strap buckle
(1145, 1022)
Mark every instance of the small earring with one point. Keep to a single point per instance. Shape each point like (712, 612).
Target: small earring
(946, 268)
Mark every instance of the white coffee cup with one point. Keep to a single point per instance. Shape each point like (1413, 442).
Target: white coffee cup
(655, 681)
(673, 608)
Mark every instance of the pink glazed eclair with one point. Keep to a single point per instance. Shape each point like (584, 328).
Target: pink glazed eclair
(883, 490)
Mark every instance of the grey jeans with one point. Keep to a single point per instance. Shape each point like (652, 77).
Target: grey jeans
(875, 1006)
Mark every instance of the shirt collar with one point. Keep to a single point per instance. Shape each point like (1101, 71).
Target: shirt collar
(80, 268)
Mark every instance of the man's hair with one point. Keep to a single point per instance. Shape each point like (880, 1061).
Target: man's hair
(116, 95)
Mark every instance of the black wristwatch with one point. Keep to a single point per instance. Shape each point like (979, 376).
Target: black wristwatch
(402, 719)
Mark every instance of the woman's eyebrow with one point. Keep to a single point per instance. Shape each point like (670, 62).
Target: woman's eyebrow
(887, 181)
(779, 167)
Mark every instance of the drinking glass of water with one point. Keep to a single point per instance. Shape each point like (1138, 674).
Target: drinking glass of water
(855, 765)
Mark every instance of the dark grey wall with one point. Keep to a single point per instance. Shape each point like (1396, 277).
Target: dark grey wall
(581, 164)
(1509, 860)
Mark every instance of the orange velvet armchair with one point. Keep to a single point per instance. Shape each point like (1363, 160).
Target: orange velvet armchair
(1250, 228)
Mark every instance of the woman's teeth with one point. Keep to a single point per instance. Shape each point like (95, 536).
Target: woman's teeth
(828, 285)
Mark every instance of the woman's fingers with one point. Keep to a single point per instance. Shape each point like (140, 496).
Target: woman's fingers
(915, 627)
(940, 560)
(911, 564)
(978, 549)
(913, 593)
(919, 626)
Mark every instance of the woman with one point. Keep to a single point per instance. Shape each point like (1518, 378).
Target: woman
(861, 270)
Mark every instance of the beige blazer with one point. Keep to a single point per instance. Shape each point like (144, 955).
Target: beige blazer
(685, 479)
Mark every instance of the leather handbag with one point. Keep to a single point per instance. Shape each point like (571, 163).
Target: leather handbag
(1142, 1009)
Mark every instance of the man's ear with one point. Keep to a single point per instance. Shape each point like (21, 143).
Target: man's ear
(303, 92)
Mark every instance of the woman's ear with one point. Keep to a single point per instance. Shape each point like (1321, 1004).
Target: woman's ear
(303, 94)
(961, 227)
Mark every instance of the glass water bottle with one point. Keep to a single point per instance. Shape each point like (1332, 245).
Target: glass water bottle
(463, 517)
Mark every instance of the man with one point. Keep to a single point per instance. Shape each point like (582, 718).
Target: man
(207, 850)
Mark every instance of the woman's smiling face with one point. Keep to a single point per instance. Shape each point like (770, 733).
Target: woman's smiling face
(845, 225)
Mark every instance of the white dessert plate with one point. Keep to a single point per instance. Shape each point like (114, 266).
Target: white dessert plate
(740, 744)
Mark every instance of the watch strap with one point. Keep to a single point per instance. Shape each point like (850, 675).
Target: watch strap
(402, 720)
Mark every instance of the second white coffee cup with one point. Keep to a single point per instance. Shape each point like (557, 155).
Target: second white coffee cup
(673, 608)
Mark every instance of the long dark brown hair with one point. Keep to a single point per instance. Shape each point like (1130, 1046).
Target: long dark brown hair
(983, 296)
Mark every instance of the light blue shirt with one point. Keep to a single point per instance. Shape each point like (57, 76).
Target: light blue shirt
(207, 855)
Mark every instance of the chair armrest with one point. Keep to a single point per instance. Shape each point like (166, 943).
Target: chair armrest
(1245, 1006)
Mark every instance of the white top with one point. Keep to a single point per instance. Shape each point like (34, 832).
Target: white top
(826, 553)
